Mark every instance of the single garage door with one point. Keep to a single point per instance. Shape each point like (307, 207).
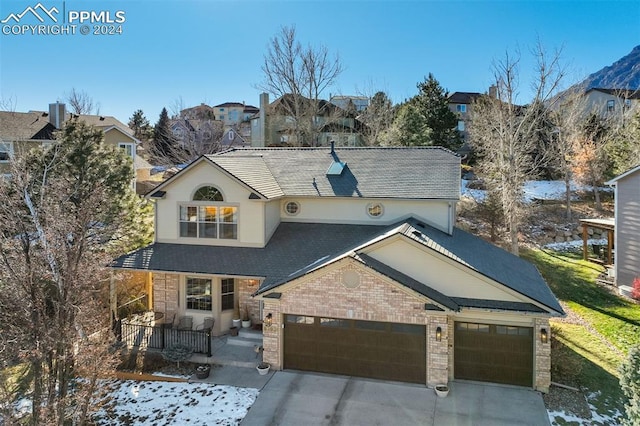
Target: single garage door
(377, 350)
(494, 353)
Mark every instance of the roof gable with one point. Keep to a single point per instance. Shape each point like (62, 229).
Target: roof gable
(624, 175)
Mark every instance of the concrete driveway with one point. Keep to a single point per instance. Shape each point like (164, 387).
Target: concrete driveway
(295, 398)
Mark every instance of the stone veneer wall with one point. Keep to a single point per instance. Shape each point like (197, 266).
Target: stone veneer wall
(542, 354)
(374, 299)
(245, 288)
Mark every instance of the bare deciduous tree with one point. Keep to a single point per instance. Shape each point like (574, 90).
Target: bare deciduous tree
(302, 74)
(506, 136)
(81, 103)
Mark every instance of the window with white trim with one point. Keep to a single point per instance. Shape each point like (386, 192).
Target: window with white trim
(292, 208)
(461, 108)
(208, 217)
(611, 105)
(6, 151)
(460, 126)
(198, 293)
(128, 148)
(227, 294)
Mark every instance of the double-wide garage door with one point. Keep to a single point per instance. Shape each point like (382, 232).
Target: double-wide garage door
(494, 353)
(380, 350)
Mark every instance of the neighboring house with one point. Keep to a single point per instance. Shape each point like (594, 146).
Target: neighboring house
(232, 139)
(359, 103)
(324, 122)
(461, 103)
(350, 260)
(627, 229)
(611, 102)
(197, 135)
(234, 113)
(20, 132)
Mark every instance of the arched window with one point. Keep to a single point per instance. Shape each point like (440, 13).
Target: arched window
(208, 193)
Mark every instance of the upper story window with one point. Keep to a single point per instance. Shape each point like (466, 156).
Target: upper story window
(292, 208)
(611, 106)
(461, 108)
(208, 193)
(208, 220)
(128, 148)
(6, 151)
(375, 209)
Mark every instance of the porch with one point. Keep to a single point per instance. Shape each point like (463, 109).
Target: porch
(243, 350)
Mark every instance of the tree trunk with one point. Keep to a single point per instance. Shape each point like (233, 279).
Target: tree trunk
(567, 192)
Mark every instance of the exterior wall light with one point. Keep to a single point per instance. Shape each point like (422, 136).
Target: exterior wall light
(544, 335)
(438, 334)
(268, 320)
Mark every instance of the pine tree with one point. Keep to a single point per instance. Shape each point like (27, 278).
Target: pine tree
(162, 138)
(140, 126)
(433, 106)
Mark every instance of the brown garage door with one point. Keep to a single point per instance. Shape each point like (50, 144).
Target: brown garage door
(378, 350)
(494, 353)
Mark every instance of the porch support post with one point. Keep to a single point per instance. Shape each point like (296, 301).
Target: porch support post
(585, 237)
(609, 247)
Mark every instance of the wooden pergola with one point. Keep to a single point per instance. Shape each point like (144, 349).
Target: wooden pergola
(600, 253)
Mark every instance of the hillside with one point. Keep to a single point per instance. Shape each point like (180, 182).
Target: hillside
(622, 74)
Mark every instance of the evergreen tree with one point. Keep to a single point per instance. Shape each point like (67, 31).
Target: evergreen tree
(62, 216)
(163, 138)
(426, 120)
(140, 126)
(433, 106)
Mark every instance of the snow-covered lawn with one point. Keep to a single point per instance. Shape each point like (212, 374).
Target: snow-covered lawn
(175, 403)
(563, 418)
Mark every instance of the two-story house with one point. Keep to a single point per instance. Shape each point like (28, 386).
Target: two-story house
(611, 102)
(461, 103)
(20, 132)
(300, 121)
(351, 261)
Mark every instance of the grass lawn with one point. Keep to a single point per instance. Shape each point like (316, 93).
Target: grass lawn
(587, 354)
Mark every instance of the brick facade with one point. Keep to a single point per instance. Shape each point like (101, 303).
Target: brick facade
(377, 298)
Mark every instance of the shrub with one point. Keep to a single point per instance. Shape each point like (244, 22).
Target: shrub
(635, 293)
(630, 384)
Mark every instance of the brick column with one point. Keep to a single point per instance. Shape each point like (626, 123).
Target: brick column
(542, 354)
(437, 351)
(272, 336)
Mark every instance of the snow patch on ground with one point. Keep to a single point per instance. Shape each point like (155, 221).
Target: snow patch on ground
(534, 190)
(151, 403)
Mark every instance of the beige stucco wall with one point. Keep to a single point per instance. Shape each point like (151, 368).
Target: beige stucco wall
(627, 232)
(180, 190)
(115, 136)
(354, 211)
(433, 269)
(20, 148)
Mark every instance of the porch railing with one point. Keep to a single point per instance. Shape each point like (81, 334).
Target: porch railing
(159, 337)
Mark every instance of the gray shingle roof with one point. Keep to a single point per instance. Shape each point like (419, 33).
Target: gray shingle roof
(293, 247)
(253, 171)
(417, 173)
(289, 255)
(15, 126)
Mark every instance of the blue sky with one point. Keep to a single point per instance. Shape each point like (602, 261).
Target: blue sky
(212, 51)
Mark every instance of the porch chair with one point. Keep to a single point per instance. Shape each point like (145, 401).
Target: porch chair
(167, 321)
(207, 325)
(185, 323)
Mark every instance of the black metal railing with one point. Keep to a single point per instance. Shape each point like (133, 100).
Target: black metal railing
(159, 337)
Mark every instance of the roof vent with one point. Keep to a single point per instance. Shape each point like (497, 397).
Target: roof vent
(420, 224)
(417, 234)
